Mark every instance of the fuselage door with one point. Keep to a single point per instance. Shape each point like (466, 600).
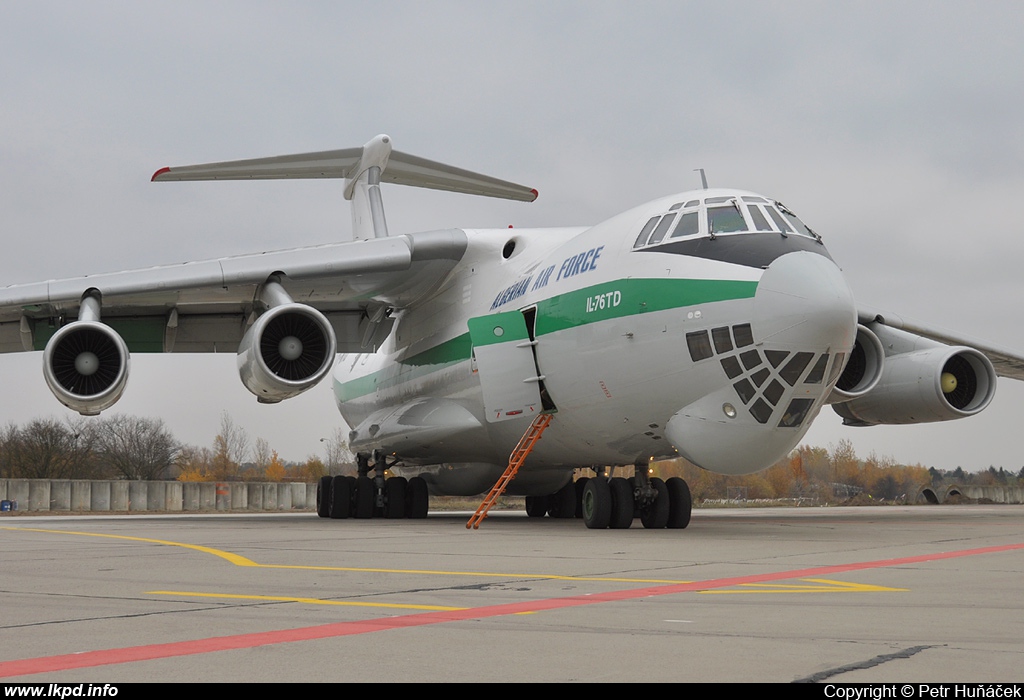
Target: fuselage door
(506, 366)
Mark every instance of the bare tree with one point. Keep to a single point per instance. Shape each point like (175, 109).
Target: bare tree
(230, 448)
(340, 459)
(138, 448)
(47, 448)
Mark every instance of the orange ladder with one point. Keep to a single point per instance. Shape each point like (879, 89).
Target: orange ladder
(519, 455)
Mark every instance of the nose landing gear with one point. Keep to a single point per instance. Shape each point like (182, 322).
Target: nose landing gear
(613, 503)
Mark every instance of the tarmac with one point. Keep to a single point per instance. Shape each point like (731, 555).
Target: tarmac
(927, 594)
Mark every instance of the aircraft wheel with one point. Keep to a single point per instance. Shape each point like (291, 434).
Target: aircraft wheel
(417, 498)
(537, 506)
(323, 497)
(578, 487)
(395, 491)
(656, 514)
(340, 501)
(597, 504)
(622, 504)
(680, 504)
(365, 498)
(563, 502)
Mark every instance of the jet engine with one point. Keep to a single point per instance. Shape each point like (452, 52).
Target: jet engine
(289, 349)
(924, 386)
(863, 368)
(85, 364)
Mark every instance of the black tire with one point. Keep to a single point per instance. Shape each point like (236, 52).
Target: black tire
(537, 506)
(395, 490)
(623, 504)
(597, 504)
(323, 497)
(580, 484)
(340, 504)
(417, 498)
(365, 497)
(655, 515)
(563, 502)
(680, 504)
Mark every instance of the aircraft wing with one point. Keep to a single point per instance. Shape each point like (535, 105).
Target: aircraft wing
(1006, 362)
(207, 306)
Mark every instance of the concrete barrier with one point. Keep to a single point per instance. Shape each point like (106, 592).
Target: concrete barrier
(255, 496)
(100, 500)
(17, 491)
(138, 496)
(156, 495)
(174, 500)
(120, 496)
(38, 495)
(239, 496)
(81, 495)
(60, 495)
(190, 500)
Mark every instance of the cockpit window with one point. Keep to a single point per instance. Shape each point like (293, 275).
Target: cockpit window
(797, 223)
(689, 225)
(646, 231)
(725, 220)
(760, 223)
(779, 221)
(663, 227)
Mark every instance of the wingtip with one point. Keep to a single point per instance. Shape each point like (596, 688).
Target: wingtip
(161, 171)
(535, 195)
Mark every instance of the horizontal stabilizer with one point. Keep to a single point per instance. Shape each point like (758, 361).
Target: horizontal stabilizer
(402, 169)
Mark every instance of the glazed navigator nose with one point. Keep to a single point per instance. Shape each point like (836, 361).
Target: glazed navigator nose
(803, 322)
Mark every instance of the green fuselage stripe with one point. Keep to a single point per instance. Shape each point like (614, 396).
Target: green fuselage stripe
(561, 312)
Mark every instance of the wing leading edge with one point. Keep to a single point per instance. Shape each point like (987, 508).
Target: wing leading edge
(206, 306)
(1006, 362)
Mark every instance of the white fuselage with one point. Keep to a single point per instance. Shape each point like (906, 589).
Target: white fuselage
(720, 346)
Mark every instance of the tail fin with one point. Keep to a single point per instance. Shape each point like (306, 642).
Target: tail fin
(364, 169)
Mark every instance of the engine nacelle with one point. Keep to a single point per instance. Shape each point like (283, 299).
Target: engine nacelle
(86, 364)
(925, 386)
(289, 349)
(863, 368)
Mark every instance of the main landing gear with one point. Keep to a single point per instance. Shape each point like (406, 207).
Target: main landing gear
(616, 501)
(367, 496)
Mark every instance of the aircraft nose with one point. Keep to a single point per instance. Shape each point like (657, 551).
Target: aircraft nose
(803, 301)
(803, 318)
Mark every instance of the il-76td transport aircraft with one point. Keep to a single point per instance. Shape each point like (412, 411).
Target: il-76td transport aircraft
(711, 324)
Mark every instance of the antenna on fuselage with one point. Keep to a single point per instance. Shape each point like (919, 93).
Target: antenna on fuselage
(703, 179)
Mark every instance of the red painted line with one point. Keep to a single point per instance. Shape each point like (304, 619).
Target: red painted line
(105, 657)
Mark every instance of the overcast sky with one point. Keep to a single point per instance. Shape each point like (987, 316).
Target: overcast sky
(894, 129)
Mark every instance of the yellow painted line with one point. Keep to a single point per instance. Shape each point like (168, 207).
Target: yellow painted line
(823, 586)
(239, 560)
(307, 601)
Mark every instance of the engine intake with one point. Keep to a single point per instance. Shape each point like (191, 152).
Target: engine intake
(863, 368)
(925, 386)
(86, 365)
(288, 350)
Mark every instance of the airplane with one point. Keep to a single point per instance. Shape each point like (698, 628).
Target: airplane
(711, 324)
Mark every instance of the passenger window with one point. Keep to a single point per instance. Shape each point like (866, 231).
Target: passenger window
(689, 225)
(648, 227)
